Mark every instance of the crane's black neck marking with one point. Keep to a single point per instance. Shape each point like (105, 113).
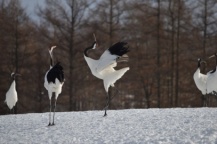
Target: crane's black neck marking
(13, 76)
(213, 71)
(216, 58)
(88, 48)
(199, 61)
(216, 64)
(119, 48)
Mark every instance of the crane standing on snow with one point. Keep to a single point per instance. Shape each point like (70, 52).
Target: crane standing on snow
(200, 79)
(54, 80)
(11, 95)
(103, 68)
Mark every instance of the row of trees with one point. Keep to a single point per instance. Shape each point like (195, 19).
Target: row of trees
(165, 37)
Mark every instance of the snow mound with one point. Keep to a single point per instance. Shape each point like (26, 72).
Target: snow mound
(154, 126)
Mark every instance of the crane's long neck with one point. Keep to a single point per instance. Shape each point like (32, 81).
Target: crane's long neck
(51, 59)
(91, 62)
(13, 84)
(88, 48)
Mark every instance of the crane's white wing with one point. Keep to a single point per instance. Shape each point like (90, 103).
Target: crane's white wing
(107, 60)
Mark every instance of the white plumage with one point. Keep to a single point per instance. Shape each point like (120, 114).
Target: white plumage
(11, 95)
(103, 68)
(211, 85)
(51, 87)
(200, 79)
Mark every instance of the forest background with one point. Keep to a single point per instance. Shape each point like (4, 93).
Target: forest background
(166, 37)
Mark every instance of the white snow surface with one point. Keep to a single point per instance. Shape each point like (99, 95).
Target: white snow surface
(132, 126)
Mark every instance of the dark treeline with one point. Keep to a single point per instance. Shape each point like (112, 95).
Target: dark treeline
(166, 38)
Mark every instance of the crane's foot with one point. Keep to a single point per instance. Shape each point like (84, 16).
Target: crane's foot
(51, 124)
(105, 114)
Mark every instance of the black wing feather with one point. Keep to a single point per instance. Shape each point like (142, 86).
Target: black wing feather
(119, 48)
(56, 72)
(213, 70)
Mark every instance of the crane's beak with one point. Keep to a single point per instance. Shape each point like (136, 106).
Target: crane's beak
(96, 44)
(53, 47)
(94, 37)
(51, 50)
(212, 56)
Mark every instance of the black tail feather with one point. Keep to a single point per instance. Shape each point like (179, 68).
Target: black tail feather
(56, 72)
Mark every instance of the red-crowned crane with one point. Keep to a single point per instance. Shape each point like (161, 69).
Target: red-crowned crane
(211, 85)
(54, 80)
(200, 79)
(11, 95)
(103, 68)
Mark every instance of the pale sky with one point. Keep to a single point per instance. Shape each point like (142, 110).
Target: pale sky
(31, 5)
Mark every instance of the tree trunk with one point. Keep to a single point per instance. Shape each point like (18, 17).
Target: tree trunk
(177, 55)
(205, 29)
(111, 23)
(172, 50)
(204, 39)
(72, 103)
(158, 57)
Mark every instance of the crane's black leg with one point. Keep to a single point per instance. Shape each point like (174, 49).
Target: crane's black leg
(205, 103)
(107, 103)
(208, 103)
(50, 115)
(204, 99)
(109, 98)
(54, 111)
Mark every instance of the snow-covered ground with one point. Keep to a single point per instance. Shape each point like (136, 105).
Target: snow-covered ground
(144, 126)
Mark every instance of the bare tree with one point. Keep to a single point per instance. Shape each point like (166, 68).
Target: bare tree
(13, 20)
(158, 54)
(65, 18)
(107, 17)
(177, 53)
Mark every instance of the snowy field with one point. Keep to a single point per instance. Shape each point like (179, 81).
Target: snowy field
(133, 126)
